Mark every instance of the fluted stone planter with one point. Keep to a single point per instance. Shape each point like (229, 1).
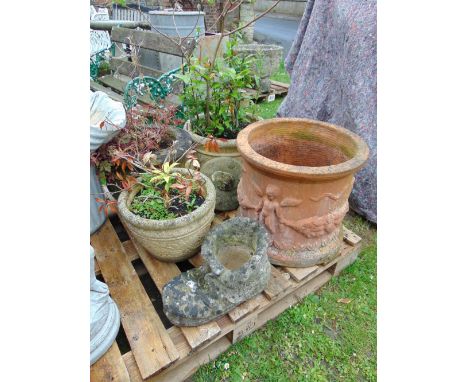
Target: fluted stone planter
(104, 315)
(170, 240)
(267, 61)
(296, 179)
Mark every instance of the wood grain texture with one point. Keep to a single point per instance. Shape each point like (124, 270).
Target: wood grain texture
(299, 274)
(350, 237)
(151, 41)
(245, 308)
(122, 65)
(110, 367)
(277, 283)
(95, 86)
(150, 343)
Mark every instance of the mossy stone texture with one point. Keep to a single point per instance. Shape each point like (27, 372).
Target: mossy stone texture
(235, 269)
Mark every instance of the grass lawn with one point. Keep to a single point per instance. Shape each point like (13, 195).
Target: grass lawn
(318, 339)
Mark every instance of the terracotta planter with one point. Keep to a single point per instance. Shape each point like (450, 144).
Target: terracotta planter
(175, 239)
(296, 179)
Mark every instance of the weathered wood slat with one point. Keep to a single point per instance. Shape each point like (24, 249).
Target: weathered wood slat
(110, 367)
(122, 65)
(98, 87)
(150, 343)
(300, 273)
(280, 84)
(162, 273)
(350, 237)
(276, 284)
(245, 308)
(348, 256)
(151, 40)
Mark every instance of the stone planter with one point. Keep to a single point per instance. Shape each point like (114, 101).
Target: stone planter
(227, 148)
(296, 179)
(175, 239)
(268, 58)
(235, 269)
(184, 141)
(220, 167)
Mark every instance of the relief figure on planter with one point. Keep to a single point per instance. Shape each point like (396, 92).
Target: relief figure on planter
(268, 209)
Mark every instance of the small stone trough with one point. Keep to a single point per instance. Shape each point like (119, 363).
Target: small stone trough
(148, 347)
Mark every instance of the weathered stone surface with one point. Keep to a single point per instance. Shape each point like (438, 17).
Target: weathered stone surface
(174, 239)
(297, 177)
(235, 269)
(267, 61)
(104, 315)
(225, 174)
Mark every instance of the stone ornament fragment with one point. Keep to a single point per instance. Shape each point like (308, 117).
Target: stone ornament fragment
(225, 174)
(104, 315)
(235, 269)
(296, 179)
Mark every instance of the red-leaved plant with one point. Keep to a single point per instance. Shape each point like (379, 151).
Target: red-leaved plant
(145, 132)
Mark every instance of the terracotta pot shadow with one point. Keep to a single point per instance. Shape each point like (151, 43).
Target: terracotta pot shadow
(296, 179)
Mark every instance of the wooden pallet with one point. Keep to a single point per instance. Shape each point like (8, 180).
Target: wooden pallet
(277, 88)
(171, 353)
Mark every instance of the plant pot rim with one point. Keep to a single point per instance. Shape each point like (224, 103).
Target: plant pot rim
(151, 224)
(323, 172)
(222, 142)
(258, 46)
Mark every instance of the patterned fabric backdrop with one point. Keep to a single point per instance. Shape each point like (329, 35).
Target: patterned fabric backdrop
(333, 68)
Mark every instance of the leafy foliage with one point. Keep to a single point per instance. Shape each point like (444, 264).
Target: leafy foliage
(166, 194)
(145, 133)
(214, 97)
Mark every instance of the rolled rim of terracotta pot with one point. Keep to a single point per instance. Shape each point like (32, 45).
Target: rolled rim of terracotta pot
(191, 217)
(348, 151)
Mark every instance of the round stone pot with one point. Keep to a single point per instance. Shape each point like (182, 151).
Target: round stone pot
(297, 176)
(227, 148)
(175, 239)
(268, 58)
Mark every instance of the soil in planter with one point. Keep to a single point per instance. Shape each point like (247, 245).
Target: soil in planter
(233, 257)
(148, 204)
(298, 152)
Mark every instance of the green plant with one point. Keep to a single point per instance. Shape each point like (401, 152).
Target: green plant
(214, 95)
(164, 193)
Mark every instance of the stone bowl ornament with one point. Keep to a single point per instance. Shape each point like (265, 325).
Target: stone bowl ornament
(170, 240)
(267, 61)
(235, 269)
(296, 179)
